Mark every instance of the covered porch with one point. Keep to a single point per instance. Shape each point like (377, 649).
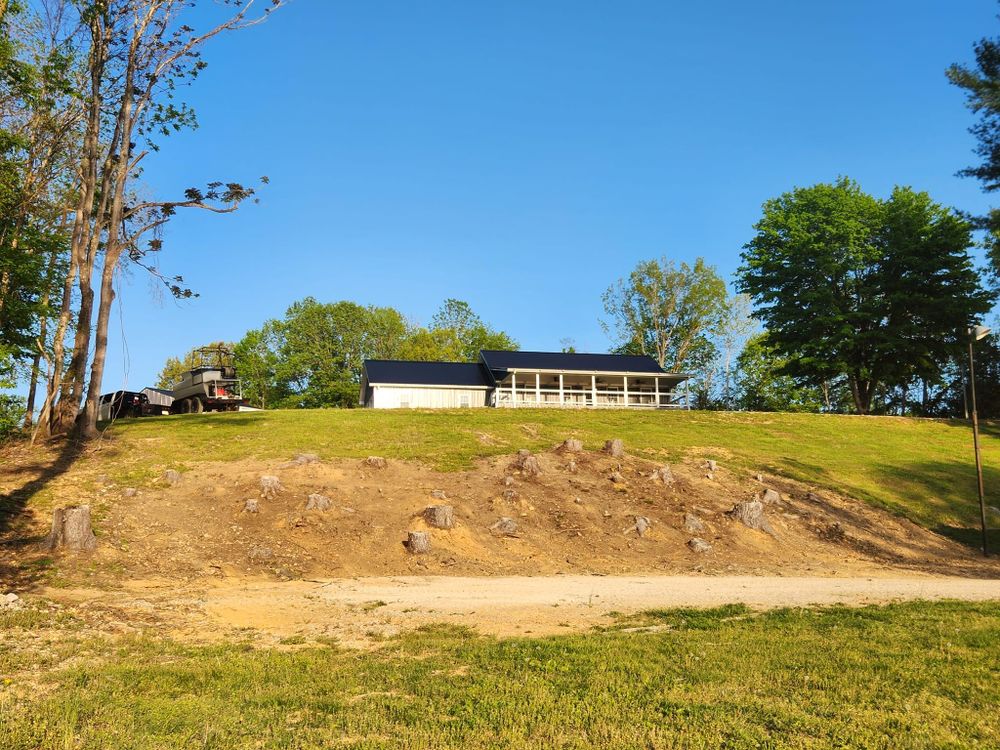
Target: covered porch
(561, 389)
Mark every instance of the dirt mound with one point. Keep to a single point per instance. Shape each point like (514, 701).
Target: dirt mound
(574, 512)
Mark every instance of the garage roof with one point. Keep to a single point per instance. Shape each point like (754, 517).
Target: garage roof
(402, 372)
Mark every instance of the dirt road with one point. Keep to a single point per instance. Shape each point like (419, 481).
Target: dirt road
(356, 610)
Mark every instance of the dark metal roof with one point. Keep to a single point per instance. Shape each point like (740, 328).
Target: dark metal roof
(401, 372)
(502, 361)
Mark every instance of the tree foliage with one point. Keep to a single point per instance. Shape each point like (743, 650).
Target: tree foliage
(874, 291)
(313, 356)
(760, 384)
(667, 311)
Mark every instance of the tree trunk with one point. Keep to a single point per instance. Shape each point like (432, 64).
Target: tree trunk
(861, 391)
(418, 542)
(440, 516)
(751, 515)
(71, 530)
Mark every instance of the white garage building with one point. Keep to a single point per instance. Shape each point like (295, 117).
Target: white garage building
(524, 379)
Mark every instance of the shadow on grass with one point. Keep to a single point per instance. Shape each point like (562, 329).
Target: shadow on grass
(945, 498)
(20, 534)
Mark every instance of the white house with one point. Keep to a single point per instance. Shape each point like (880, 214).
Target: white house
(520, 379)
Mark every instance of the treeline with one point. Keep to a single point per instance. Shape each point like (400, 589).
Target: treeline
(861, 305)
(89, 90)
(312, 357)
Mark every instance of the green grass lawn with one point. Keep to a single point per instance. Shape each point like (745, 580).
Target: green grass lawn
(915, 675)
(919, 468)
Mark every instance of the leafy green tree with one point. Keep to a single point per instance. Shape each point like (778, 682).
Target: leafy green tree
(463, 334)
(12, 407)
(257, 359)
(666, 311)
(849, 286)
(313, 356)
(761, 386)
(175, 367)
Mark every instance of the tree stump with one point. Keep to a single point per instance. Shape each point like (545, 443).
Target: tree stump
(171, 477)
(710, 465)
(693, 524)
(641, 525)
(751, 515)
(664, 474)
(317, 501)
(504, 527)
(440, 516)
(71, 530)
(251, 505)
(375, 462)
(270, 486)
(527, 464)
(614, 448)
(418, 542)
(572, 445)
(770, 497)
(699, 545)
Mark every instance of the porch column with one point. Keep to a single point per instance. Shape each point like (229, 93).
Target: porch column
(656, 391)
(562, 400)
(687, 395)
(593, 390)
(538, 389)
(513, 388)
(625, 388)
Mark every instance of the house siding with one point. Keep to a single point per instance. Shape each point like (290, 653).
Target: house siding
(403, 397)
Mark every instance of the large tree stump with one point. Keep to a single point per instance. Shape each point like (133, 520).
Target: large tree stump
(614, 448)
(418, 542)
(751, 515)
(71, 530)
(375, 462)
(572, 445)
(440, 516)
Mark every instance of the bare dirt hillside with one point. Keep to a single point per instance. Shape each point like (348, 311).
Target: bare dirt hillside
(581, 513)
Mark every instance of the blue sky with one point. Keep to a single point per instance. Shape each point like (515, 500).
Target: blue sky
(524, 155)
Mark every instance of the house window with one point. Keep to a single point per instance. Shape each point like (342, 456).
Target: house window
(463, 401)
(404, 402)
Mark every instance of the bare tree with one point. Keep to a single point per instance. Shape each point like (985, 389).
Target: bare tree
(138, 53)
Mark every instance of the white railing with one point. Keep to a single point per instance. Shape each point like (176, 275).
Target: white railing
(531, 397)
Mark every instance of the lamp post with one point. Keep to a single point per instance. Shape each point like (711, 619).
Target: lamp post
(977, 333)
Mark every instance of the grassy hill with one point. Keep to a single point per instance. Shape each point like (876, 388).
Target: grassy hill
(922, 469)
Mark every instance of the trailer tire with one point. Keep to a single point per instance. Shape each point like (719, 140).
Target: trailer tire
(197, 407)
(185, 406)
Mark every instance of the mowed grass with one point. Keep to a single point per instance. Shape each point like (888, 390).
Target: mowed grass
(915, 675)
(922, 469)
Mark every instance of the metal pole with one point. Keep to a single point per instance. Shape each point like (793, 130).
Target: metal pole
(975, 442)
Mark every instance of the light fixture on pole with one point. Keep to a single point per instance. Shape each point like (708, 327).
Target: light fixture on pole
(977, 333)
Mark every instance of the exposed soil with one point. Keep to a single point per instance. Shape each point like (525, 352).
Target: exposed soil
(568, 521)
(189, 558)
